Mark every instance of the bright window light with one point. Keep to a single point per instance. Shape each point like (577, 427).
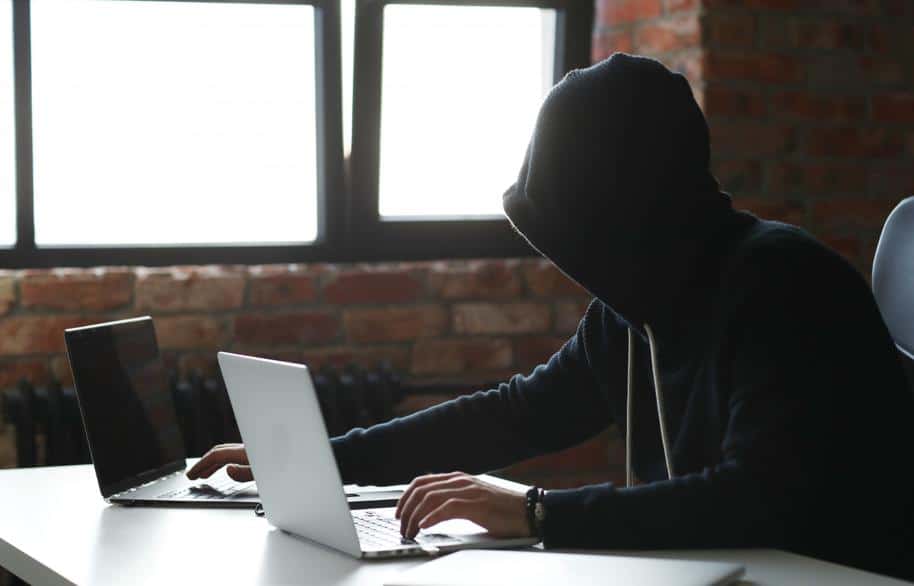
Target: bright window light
(171, 123)
(460, 92)
(7, 129)
(347, 21)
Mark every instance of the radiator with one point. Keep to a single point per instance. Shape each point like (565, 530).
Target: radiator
(49, 431)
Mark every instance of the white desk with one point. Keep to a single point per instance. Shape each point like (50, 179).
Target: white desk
(56, 529)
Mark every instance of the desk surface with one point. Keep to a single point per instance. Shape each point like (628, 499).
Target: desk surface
(56, 529)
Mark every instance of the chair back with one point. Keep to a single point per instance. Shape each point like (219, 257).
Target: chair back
(893, 277)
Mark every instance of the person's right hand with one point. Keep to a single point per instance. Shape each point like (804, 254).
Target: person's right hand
(232, 456)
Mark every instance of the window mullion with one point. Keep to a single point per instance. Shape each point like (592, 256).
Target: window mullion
(25, 221)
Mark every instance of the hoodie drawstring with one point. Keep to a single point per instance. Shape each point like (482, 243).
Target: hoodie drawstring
(629, 406)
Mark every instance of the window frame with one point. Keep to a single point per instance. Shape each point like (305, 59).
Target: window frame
(411, 239)
(349, 225)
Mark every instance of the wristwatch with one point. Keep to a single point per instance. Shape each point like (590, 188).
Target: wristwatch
(536, 510)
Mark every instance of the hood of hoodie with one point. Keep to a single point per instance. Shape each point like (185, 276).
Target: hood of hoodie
(615, 189)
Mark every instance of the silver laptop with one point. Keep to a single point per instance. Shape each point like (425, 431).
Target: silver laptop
(131, 425)
(300, 487)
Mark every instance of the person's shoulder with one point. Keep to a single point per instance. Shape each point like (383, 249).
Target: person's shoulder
(786, 249)
(782, 259)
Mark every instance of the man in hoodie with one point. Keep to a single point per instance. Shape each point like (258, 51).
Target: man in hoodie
(759, 390)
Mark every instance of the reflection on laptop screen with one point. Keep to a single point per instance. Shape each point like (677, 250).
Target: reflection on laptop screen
(127, 408)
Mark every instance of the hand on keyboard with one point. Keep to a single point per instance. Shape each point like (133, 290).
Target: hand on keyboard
(232, 456)
(434, 498)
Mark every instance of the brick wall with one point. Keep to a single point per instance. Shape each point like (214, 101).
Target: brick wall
(457, 320)
(810, 102)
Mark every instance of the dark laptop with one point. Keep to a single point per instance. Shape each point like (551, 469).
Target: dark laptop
(129, 415)
(131, 425)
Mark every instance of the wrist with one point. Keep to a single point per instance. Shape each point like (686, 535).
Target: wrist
(535, 511)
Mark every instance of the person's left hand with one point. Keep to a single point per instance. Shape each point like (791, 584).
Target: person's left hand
(438, 497)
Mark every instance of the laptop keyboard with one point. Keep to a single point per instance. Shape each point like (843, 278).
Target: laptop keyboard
(211, 490)
(376, 530)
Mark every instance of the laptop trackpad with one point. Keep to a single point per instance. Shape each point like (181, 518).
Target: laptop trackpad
(451, 532)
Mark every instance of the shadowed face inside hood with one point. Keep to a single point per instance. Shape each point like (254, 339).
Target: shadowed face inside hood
(615, 188)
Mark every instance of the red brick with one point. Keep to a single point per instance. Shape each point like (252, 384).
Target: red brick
(826, 34)
(373, 286)
(773, 33)
(12, 371)
(853, 142)
(681, 5)
(281, 285)
(460, 355)
(607, 42)
(765, 68)
(891, 180)
(781, 210)
(503, 318)
(890, 38)
(856, 212)
(369, 357)
(815, 178)
(729, 30)
(189, 289)
(287, 328)
(530, 351)
(394, 324)
(610, 13)
(898, 107)
(846, 7)
(761, 5)
(734, 102)
(186, 332)
(545, 280)
(835, 72)
(883, 71)
(481, 279)
(568, 315)
(739, 175)
(35, 334)
(749, 138)
(897, 8)
(75, 289)
(671, 34)
(7, 293)
(818, 107)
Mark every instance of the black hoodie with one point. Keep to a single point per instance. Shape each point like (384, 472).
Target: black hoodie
(786, 407)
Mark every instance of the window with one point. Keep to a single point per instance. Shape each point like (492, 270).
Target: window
(199, 131)
(458, 110)
(7, 128)
(163, 123)
(446, 97)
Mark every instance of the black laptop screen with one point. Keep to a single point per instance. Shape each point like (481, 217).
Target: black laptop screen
(127, 408)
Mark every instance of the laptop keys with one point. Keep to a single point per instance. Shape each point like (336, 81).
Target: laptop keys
(377, 530)
(211, 490)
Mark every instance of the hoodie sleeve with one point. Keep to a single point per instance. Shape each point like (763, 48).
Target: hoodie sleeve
(798, 351)
(556, 406)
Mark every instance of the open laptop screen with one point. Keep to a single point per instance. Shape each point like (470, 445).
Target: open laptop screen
(126, 406)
